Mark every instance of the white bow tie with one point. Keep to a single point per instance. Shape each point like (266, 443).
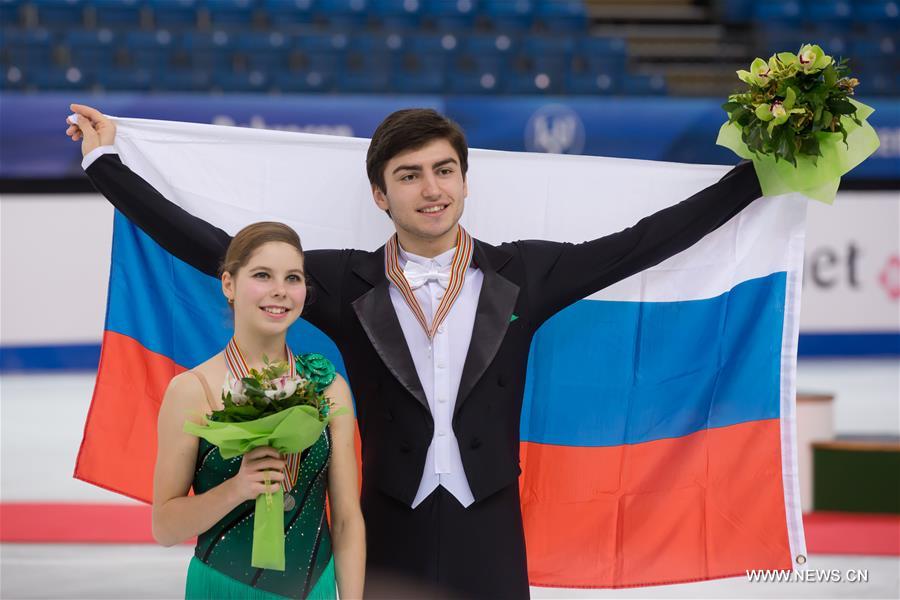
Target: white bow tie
(418, 275)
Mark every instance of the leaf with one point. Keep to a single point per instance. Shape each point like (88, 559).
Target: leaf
(842, 107)
(810, 146)
(830, 76)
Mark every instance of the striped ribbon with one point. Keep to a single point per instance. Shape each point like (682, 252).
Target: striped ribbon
(238, 368)
(461, 259)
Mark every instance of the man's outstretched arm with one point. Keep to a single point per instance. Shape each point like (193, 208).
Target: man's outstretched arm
(185, 236)
(561, 274)
(189, 238)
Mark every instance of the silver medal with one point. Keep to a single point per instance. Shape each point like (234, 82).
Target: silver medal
(289, 502)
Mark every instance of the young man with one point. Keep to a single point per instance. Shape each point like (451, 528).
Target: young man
(435, 329)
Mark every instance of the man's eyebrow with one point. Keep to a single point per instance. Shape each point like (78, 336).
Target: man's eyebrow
(440, 163)
(407, 168)
(446, 161)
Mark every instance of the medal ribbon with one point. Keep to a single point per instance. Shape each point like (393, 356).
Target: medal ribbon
(461, 260)
(238, 369)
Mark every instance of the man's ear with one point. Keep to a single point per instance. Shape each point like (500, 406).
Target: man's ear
(379, 197)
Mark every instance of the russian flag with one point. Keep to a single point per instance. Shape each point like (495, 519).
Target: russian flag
(658, 432)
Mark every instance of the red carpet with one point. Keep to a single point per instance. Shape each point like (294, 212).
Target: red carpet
(852, 533)
(826, 533)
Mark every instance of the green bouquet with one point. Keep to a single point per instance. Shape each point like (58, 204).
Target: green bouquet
(267, 408)
(798, 123)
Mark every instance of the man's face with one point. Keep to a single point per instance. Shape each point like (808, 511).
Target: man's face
(426, 192)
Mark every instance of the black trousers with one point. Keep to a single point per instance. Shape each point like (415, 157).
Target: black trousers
(442, 550)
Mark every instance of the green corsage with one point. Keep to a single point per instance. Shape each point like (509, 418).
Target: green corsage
(316, 368)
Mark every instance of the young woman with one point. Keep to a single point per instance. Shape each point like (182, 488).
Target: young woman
(263, 280)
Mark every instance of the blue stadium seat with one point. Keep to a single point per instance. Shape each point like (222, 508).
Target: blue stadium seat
(828, 11)
(343, 14)
(490, 44)
(237, 14)
(593, 84)
(534, 83)
(548, 54)
(475, 82)
(264, 51)
(483, 54)
(397, 14)
(288, 13)
(14, 78)
(601, 56)
(120, 14)
(247, 82)
(363, 81)
(876, 11)
(59, 13)
(779, 38)
(437, 44)
(175, 14)
(834, 39)
(29, 49)
(771, 12)
(316, 41)
(183, 80)
(874, 48)
(562, 16)
(212, 50)
(321, 52)
(92, 48)
(310, 80)
(65, 78)
(644, 85)
(450, 15)
(150, 50)
(137, 80)
(509, 15)
(418, 81)
(11, 12)
(392, 43)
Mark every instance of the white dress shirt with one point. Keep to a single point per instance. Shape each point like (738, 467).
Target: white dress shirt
(439, 364)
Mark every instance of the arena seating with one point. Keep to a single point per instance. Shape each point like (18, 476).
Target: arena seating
(420, 46)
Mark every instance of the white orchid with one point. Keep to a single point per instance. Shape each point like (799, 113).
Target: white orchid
(283, 387)
(234, 388)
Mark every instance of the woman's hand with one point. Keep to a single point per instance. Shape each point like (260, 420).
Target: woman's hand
(93, 128)
(256, 466)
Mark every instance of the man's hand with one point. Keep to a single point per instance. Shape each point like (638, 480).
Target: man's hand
(93, 128)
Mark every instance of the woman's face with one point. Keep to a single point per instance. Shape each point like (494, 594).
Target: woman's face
(269, 291)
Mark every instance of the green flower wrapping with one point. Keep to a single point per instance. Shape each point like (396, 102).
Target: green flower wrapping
(798, 123)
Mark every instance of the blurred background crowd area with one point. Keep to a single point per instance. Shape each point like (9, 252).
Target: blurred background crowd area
(571, 47)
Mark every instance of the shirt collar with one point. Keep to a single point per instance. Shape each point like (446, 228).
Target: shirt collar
(441, 260)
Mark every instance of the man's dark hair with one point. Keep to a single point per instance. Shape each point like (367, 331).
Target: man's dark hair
(411, 129)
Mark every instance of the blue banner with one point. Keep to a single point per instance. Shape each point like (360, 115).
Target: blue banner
(32, 143)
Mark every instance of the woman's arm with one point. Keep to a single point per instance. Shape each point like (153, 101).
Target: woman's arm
(347, 526)
(176, 515)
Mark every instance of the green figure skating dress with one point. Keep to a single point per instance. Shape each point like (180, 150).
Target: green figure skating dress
(221, 566)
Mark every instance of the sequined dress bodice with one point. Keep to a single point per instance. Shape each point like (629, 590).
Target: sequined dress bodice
(226, 546)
